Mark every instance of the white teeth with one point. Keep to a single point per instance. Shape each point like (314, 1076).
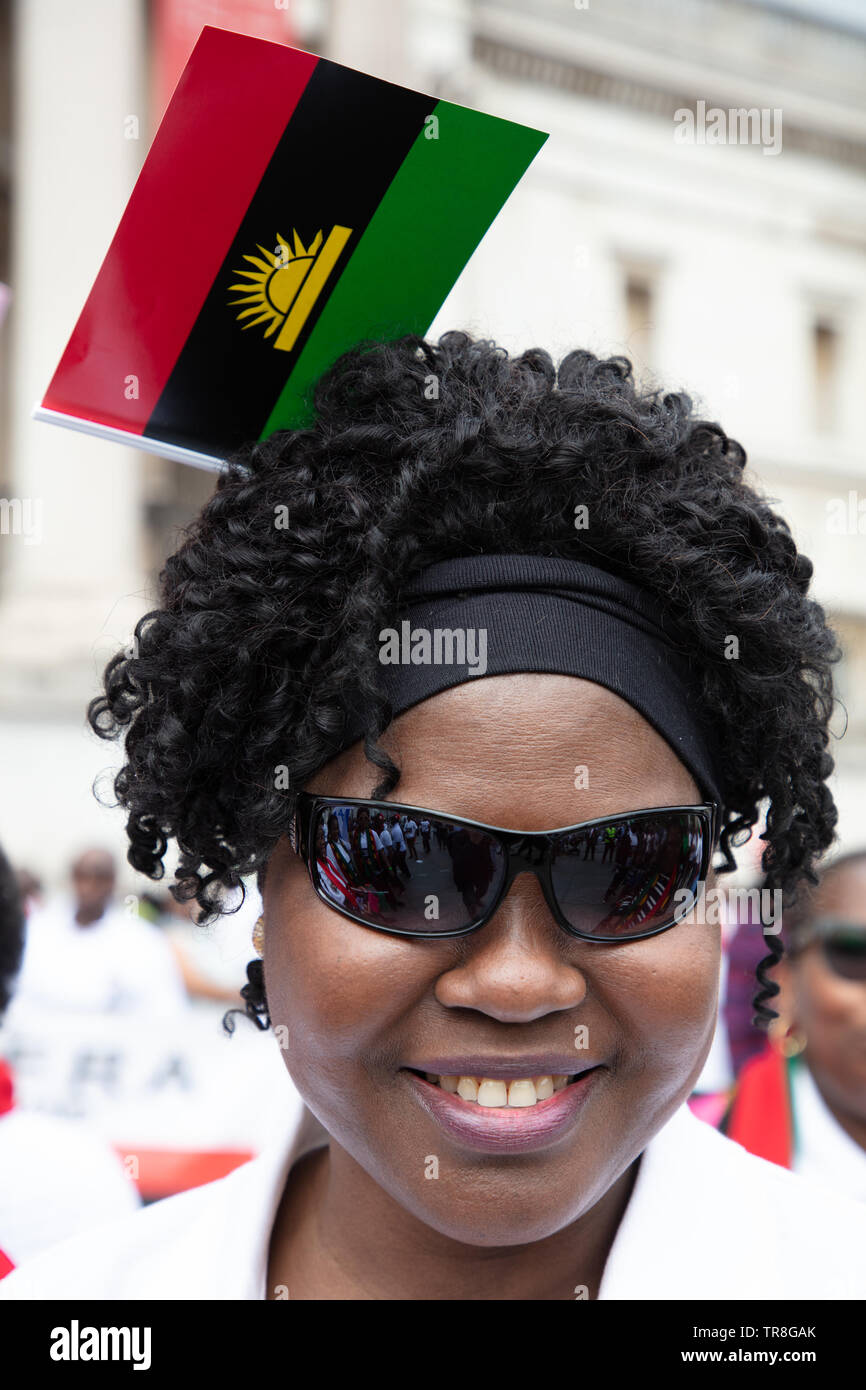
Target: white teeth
(522, 1093)
(487, 1091)
(492, 1093)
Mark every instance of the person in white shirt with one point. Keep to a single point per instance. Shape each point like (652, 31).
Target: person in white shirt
(681, 1213)
(816, 1064)
(86, 955)
(56, 1177)
(338, 854)
(43, 1200)
(385, 836)
(386, 839)
(824, 1010)
(399, 843)
(424, 827)
(371, 859)
(410, 830)
(500, 1085)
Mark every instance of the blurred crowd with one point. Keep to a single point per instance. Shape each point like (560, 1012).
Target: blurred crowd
(95, 983)
(87, 949)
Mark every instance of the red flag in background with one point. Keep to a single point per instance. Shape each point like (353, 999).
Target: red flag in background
(178, 23)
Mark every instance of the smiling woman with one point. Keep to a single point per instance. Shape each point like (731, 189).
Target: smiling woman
(478, 953)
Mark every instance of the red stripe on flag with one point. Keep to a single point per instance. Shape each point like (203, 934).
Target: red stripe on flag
(205, 164)
(162, 1172)
(761, 1116)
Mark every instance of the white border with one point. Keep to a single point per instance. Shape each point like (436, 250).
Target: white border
(135, 441)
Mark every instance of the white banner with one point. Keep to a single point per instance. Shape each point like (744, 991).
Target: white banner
(180, 1086)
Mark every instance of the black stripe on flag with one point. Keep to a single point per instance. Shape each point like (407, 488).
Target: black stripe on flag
(346, 139)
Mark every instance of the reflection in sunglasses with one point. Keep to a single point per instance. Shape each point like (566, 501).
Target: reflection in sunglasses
(418, 872)
(844, 951)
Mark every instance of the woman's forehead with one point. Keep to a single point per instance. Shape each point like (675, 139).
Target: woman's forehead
(843, 891)
(559, 748)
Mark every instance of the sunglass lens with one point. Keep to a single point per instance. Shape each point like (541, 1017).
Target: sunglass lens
(845, 953)
(628, 877)
(410, 873)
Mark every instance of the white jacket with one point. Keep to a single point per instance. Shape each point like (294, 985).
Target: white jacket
(706, 1220)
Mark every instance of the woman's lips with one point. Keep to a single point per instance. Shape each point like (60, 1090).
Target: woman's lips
(494, 1129)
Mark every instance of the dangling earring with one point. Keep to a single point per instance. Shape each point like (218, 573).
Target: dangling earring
(787, 1040)
(259, 937)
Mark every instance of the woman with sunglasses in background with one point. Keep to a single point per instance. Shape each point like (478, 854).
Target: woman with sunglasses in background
(494, 1081)
(802, 1102)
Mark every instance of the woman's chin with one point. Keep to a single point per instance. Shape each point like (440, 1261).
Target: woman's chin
(518, 1221)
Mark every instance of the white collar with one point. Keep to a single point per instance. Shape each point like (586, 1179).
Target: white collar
(824, 1150)
(257, 1210)
(688, 1230)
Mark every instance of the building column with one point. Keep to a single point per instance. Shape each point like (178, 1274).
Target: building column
(73, 588)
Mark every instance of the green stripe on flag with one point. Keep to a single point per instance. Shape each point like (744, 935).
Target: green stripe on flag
(436, 209)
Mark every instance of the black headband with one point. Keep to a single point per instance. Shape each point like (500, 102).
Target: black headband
(546, 614)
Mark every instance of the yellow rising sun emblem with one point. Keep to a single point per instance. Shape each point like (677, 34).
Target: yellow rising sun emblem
(287, 282)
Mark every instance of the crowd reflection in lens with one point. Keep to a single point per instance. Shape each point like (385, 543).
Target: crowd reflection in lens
(414, 872)
(647, 863)
(401, 869)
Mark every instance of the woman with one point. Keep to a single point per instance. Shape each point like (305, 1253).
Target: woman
(494, 1093)
(368, 853)
(398, 840)
(410, 833)
(802, 1102)
(41, 1201)
(338, 853)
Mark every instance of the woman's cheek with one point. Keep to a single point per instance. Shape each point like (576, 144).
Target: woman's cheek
(823, 1008)
(663, 993)
(337, 989)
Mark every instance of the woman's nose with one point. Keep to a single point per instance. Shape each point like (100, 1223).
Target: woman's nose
(518, 966)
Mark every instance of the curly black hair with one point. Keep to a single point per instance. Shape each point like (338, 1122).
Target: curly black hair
(419, 452)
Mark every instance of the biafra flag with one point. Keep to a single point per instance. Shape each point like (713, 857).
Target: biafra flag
(288, 208)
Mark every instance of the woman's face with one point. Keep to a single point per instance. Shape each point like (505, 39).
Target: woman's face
(830, 1010)
(361, 1007)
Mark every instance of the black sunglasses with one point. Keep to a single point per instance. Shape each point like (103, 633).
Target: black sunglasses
(843, 946)
(413, 871)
